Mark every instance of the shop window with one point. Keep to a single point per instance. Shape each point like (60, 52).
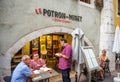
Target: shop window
(87, 3)
(118, 7)
(46, 46)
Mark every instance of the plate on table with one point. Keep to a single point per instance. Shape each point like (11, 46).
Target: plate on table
(45, 68)
(36, 72)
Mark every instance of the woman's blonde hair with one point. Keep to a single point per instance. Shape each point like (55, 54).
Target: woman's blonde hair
(104, 50)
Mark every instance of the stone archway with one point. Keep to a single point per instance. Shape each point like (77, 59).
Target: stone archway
(21, 42)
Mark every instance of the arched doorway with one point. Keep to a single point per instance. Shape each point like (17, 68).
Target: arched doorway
(48, 30)
(46, 46)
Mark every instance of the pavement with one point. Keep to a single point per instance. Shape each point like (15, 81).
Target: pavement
(108, 78)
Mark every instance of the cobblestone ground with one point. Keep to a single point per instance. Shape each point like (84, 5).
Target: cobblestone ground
(108, 78)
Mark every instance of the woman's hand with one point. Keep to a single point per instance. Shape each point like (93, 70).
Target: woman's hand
(44, 65)
(31, 69)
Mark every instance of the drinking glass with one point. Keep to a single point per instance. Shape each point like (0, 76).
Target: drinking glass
(50, 72)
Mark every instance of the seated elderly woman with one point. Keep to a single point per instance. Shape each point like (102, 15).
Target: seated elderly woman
(37, 62)
(102, 58)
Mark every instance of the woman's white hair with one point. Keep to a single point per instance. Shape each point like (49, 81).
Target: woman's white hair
(25, 57)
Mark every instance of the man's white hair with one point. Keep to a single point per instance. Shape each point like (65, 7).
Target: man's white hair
(25, 57)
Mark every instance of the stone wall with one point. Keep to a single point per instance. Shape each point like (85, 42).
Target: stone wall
(19, 19)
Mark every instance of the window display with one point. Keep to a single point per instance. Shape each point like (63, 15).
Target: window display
(46, 46)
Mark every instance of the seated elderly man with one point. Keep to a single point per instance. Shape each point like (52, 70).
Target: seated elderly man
(22, 71)
(37, 62)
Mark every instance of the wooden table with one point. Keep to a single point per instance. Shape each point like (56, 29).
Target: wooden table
(43, 75)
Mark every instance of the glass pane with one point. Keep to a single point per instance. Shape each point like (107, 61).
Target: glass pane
(49, 42)
(118, 7)
(35, 45)
(94, 62)
(90, 58)
(43, 45)
(90, 62)
(55, 44)
(91, 53)
(26, 48)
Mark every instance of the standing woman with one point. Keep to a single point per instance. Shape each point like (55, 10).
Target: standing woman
(65, 60)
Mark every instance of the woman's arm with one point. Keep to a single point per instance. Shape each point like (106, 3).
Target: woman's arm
(106, 58)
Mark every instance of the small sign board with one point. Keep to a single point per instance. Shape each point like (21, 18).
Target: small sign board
(90, 58)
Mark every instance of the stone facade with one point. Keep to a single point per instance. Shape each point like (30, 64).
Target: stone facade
(19, 24)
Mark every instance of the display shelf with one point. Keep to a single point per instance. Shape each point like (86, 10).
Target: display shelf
(18, 56)
(16, 59)
(44, 45)
(13, 66)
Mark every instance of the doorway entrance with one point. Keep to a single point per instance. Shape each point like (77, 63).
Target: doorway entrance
(46, 46)
(20, 45)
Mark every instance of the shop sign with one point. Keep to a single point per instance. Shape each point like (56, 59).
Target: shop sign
(58, 16)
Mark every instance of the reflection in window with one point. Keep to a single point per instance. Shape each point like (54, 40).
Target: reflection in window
(86, 1)
(119, 7)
